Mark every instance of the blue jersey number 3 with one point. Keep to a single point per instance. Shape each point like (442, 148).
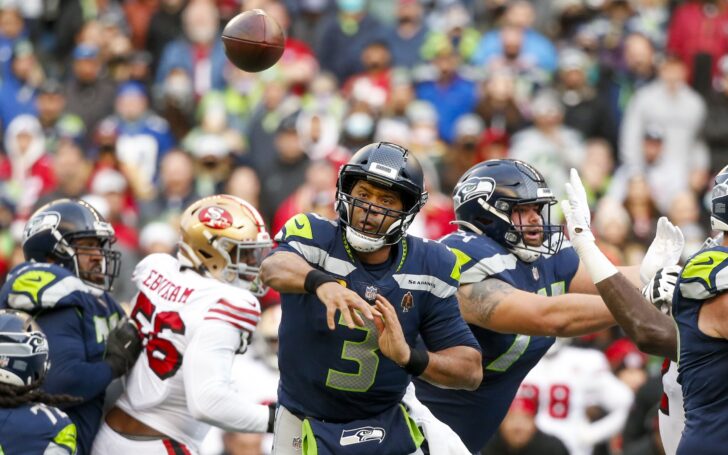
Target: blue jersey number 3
(362, 352)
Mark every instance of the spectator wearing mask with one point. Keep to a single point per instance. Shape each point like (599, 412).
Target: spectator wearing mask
(199, 51)
(518, 433)
(26, 168)
(463, 152)
(89, 94)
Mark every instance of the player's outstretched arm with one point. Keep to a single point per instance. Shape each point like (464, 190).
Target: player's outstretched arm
(289, 273)
(652, 331)
(496, 305)
(457, 367)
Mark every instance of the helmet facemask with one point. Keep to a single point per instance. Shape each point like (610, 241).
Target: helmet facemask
(97, 265)
(518, 234)
(379, 225)
(242, 262)
(719, 203)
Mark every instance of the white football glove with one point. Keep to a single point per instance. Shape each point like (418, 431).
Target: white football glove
(664, 251)
(576, 212)
(660, 289)
(441, 439)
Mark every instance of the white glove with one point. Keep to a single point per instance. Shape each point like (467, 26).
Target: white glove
(665, 249)
(661, 287)
(576, 212)
(440, 437)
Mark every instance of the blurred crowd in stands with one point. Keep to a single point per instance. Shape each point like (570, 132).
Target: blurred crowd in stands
(132, 106)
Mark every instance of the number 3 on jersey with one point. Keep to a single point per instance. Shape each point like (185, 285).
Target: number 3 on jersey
(364, 353)
(163, 357)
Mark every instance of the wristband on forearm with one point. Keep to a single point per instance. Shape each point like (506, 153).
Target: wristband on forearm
(316, 278)
(418, 361)
(596, 263)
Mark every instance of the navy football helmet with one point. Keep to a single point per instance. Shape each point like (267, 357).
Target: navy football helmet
(390, 166)
(23, 349)
(719, 202)
(52, 234)
(484, 199)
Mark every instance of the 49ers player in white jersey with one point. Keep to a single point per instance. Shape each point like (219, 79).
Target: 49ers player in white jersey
(569, 380)
(195, 312)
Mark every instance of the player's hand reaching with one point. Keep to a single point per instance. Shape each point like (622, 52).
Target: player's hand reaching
(576, 212)
(336, 297)
(664, 251)
(123, 346)
(660, 289)
(390, 337)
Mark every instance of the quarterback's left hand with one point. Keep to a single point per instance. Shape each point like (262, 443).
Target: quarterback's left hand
(576, 212)
(391, 339)
(665, 250)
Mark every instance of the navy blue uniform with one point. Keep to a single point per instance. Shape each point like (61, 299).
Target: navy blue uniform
(341, 375)
(507, 358)
(703, 360)
(76, 320)
(33, 429)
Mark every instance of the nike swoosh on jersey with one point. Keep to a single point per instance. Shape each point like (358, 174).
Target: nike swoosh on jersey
(708, 262)
(298, 224)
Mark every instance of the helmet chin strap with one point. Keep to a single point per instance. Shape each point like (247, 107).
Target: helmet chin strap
(526, 255)
(363, 243)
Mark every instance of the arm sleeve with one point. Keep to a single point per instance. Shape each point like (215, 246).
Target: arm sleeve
(212, 396)
(71, 373)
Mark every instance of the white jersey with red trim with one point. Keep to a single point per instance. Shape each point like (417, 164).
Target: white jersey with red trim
(671, 414)
(185, 315)
(569, 381)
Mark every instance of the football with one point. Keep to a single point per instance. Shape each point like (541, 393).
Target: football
(253, 41)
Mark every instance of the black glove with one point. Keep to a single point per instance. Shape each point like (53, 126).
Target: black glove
(122, 347)
(271, 417)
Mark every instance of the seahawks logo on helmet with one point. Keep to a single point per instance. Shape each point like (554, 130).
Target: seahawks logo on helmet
(363, 434)
(46, 221)
(472, 188)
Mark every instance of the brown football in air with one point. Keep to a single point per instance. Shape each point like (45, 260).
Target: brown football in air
(253, 41)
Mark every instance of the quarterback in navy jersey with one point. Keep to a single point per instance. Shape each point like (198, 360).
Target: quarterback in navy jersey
(29, 421)
(518, 287)
(341, 375)
(70, 267)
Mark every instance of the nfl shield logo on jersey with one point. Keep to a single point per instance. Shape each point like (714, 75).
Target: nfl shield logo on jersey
(370, 293)
(407, 302)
